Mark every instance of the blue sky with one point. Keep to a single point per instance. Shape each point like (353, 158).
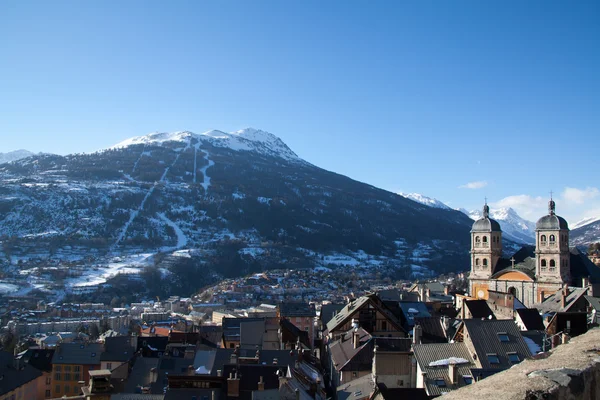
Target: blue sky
(423, 96)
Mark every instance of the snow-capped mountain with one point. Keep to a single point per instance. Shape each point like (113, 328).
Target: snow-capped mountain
(248, 139)
(585, 232)
(428, 201)
(513, 226)
(214, 204)
(14, 155)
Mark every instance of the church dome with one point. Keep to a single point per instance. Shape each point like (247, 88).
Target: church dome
(485, 223)
(551, 221)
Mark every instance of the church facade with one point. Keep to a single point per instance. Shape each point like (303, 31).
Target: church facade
(532, 273)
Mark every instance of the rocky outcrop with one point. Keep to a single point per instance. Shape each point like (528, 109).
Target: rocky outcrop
(570, 371)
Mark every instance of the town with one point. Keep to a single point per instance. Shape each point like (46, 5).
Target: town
(311, 334)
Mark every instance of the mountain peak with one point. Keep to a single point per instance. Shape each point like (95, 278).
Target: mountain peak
(427, 201)
(248, 139)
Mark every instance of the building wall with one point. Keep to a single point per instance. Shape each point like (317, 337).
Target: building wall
(67, 376)
(394, 369)
(30, 390)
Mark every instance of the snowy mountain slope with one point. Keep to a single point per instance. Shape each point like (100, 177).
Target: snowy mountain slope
(513, 226)
(584, 222)
(428, 201)
(229, 209)
(14, 155)
(585, 232)
(248, 139)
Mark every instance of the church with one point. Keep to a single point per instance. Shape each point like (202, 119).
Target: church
(534, 272)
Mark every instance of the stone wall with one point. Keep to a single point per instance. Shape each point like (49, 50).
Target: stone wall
(570, 371)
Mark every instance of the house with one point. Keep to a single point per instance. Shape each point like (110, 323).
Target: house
(358, 389)
(392, 362)
(19, 380)
(117, 354)
(302, 315)
(476, 309)
(41, 359)
(432, 330)
(496, 344)
(291, 336)
(71, 364)
(529, 319)
(570, 323)
(350, 357)
(303, 379)
(565, 300)
(368, 312)
(232, 331)
(443, 367)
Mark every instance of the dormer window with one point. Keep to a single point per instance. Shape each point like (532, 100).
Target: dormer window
(468, 379)
(493, 358)
(440, 383)
(503, 336)
(513, 357)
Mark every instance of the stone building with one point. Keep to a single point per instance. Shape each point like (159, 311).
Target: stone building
(532, 273)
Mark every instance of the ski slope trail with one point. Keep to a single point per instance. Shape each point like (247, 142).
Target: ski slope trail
(181, 238)
(209, 164)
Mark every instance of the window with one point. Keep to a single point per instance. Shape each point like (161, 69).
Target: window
(477, 241)
(477, 261)
(485, 262)
(48, 393)
(67, 368)
(552, 265)
(384, 325)
(503, 336)
(514, 358)
(544, 265)
(57, 389)
(493, 358)
(543, 240)
(440, 383)
(354, 374)
(67, 389)
(76, 376)
(231, 345)
(67, 376)
(48, 380)
(468, 379)
(552, 239)
(109, 366)
(485, 239)
(57, 376)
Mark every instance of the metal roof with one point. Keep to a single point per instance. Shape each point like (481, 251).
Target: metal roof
(425, 354)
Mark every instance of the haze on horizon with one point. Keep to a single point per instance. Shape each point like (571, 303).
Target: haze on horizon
(456, 101)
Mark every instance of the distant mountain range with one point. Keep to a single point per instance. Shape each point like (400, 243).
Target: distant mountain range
(14, 155)
(518, 229)
(213, 205)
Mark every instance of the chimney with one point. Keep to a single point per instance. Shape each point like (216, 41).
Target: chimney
(417, 333)
(428, 294)
(233, 386)
(446, 290)
(563, 299)
(356, 339)
(261, 384)
(153, 375)
(453, 373)
(585, 282)
(297, 391)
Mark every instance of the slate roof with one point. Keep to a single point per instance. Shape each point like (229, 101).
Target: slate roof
(297, 309)
(551, 222)
(554, 302)
(250, 376)
(486, 224)
(531, 318)
(524, 262)
(40, 359)
(356, 389)
(413, 310)
(582, 267)
(216, 359)
(117, 348)
(594, 302)
(432, 330)
(329, 310)
(140, 374)
(78, 354)
(345, 356)
(484, 334)
(13, 378)
(428, 353)
(251, 334)
(393, 344)
(349, 309)
(479, 309)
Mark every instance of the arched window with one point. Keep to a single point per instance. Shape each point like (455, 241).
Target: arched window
(477, 261)
(544, 265)
(485, 239)
(552, 238)
(543, 240)
(477, 239)
(552, 265)
(485, 262)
